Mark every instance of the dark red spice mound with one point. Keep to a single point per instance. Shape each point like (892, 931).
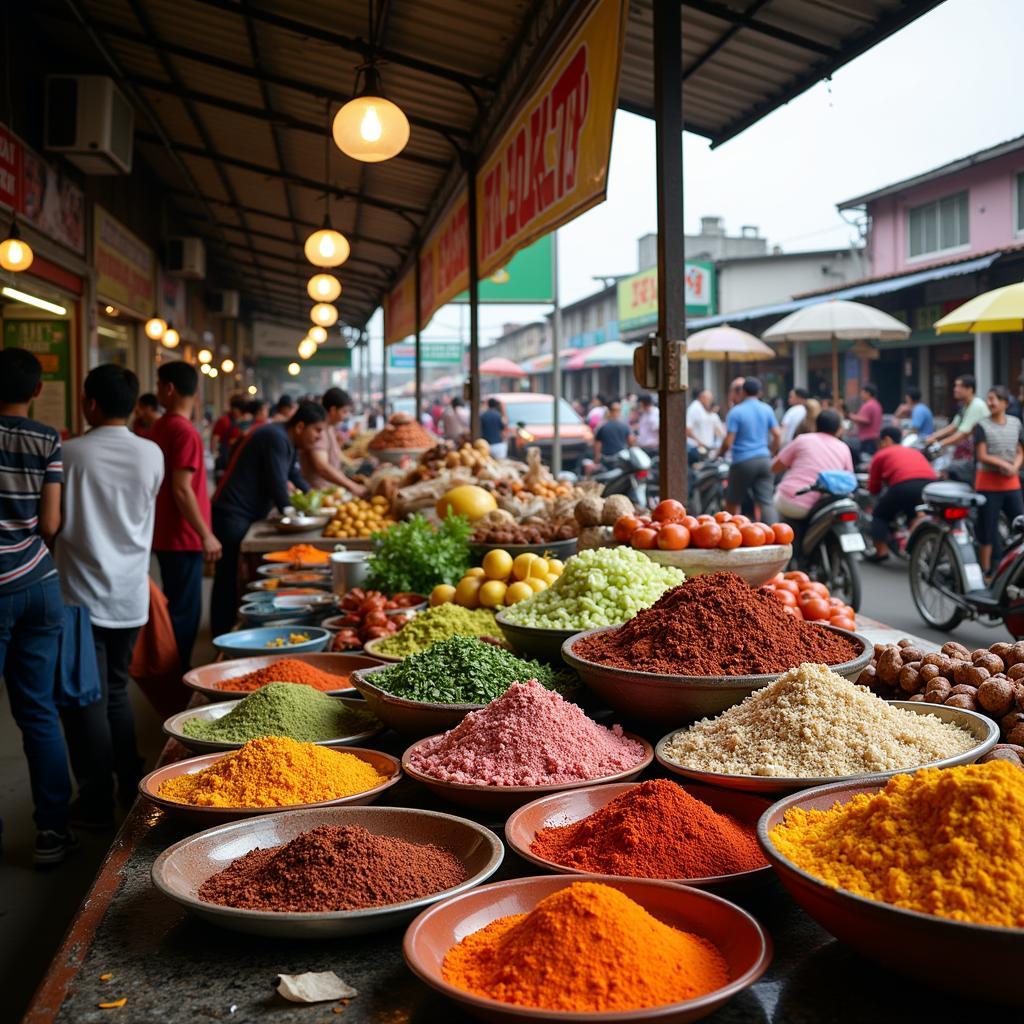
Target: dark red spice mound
(715, 625)
(654, 830)
(334, 868)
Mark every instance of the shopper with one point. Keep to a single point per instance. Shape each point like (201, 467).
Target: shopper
(182, 537)
(868, 419)
(960, 431)
(999, 453)
(147, 412)
(225, 428)
(255, 482)
(321, 464)
(922, 422)
(613, 435)
(795, 414)
(803, 459)
(703, 425)
(31, 607)
(648, 424)
(752, 436)
(112, 479)
(493, 426)
(455, 421)
(284, 410)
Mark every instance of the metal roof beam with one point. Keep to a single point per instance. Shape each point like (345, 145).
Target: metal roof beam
(351, 273)
(743, 19)
(721, 40)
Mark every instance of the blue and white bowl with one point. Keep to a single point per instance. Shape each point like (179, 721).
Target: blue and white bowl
(244, 642)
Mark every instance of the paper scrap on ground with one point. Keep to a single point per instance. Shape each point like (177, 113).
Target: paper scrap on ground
(314, 987)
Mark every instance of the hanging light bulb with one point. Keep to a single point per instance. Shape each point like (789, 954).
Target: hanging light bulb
(155, 328)
(171, 338)
(294, 369)
(204, 355)
(252, 389)
(324, 314)
(307, 347)
(205, 368)
(318, 334)
(369, 127)
(323, 288)
(227, 365)
(15, 255)
(327, 247)
(213, 372)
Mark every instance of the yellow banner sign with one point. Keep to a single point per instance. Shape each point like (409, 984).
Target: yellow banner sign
(125, 266)
(400, 309)
(444, 260)
(552, 162)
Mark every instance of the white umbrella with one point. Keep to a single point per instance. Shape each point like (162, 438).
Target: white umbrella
(725, 344)
(611, 353)
(837, 320)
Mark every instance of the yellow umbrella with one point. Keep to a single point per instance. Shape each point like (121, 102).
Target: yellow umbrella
(1001, 309)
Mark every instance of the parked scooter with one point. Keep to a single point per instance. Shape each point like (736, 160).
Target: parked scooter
(626, 472)
(706, 494)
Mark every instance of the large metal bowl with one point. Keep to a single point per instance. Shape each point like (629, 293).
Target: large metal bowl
(301, 523)
(755, 565)
(666, 698)
(982, 728)
(979, 961)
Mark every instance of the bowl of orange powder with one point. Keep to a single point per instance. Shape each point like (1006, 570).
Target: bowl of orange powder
(231, 680)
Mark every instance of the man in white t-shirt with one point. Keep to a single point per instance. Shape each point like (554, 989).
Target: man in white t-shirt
(795, 414)
(703, 427)
(111, 480)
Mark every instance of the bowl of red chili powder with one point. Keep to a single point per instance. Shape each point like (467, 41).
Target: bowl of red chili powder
(703, 647)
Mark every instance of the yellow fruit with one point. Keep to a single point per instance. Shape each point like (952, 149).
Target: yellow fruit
(538, 568)
(475, 571)
(492, 594)
(497, 564)
(518, 591)
(443, 593)
(536, 584)
(466, 500)
(556, 565)
(551, 578)
(467, 593)
(521, 565)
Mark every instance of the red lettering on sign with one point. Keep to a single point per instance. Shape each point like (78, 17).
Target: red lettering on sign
(515, 160)
(491, 220)
(570, 105)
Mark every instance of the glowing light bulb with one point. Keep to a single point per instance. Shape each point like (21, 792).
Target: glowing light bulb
(204, 355)
(204, 368)
(324, 314)
(318, 334)
(171, 338)
(155, 328)
(294, 369)
(327, 248)
(15, 255)
(306, 348)
(252, 389)
(370, 128)
(227, 365)
(213, 372)
(323, 288)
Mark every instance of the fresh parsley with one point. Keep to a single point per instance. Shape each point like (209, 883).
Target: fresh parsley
(413, 556)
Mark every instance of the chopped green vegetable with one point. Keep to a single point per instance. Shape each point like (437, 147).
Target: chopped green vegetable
(413, 557)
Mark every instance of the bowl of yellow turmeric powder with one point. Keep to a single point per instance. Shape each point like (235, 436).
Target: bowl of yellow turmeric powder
(921, 872)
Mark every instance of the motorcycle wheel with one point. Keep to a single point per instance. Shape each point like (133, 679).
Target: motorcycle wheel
(933, 559)
(838, 571)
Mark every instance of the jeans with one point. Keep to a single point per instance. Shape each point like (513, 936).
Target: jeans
(101, 736)
(900, 499)
(1009, 503)
(182, 576)
(230, 531)
(31, 623)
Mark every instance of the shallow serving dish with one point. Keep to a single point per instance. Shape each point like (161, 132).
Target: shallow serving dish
(567, 808)
(385, 765)
(982, 728)
(181, 869)
(534, 641)
(503, 799)
(258, 641)
(211, 712)
(980, 961)
(755, 565)
(266, 613)
(372, 649)
(742, 941)
(207, 678)
(667, 698)
(561, 549)
(301, 523)
(286, 570)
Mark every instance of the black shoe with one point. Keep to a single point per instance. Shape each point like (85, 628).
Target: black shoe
(52, 847)
(875, 558)
(89, 819)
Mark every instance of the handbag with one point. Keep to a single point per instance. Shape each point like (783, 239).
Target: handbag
(78, 674)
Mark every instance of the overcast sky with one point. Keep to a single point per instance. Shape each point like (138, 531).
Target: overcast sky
(947, 85)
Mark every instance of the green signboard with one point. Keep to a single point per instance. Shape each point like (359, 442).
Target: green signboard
(525, 278)
(50, 342)
(433, 353)
(638, 295)
(336, 358)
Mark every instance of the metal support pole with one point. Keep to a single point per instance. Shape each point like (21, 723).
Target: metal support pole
(474, 310)
(668, 107)
(419, 354)
(556, 363)
(384, 379)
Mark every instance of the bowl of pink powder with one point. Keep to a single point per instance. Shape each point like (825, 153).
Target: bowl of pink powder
(528, 742)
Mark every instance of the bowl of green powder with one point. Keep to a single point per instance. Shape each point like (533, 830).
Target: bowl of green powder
(433, 690)
(429, 626)
(278, 709)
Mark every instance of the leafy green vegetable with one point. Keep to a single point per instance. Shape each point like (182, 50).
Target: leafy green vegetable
(414, 557)
(308, 503)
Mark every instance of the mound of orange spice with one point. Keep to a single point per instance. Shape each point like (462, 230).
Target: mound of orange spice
(287, 670)
(587, 947)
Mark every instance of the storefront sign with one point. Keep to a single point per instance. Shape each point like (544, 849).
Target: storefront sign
(49, 340)
(432, 353)
(638, 295)
(526, 278)
(333, 358)
(400, 310)
(125, 266)
(552, 162)
(444, 260)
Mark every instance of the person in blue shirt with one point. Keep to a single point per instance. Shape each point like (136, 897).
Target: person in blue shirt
(922, 422)
(753, 437)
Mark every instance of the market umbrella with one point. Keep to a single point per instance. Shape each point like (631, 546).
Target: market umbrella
(610, 353)
(837, 320)
(725, 344)
(499, 367)
(1001, 309)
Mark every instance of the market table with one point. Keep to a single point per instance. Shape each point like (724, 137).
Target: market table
(172, 967)
(262, 538)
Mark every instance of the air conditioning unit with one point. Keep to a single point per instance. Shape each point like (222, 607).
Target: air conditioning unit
(223, 303)
(186, 257)
(90, 122)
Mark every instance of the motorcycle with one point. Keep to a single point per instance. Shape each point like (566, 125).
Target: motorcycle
(946, 581)
(625, 472)
(706, 492)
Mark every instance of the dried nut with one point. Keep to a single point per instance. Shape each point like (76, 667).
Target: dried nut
(964, 688)
(1015, 747)
(979, 652)
(976, 675)
(867, 677)
(940, 687)
(1016, 735)
(928, 672)
(889, 665)
(954, 650)
(1018, 696)
(1016, 671)
(1001, 650)
(908, 679)
(1015, 655)
(962, 700)
(917, 697)
(904, 642)
(1008, 722)
(996, 696)
(960, 670)
(1002, 755)
(936, 696)
(934, 658)
(910, 654)
(990, 662)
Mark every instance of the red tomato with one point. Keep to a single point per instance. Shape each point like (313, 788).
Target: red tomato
(800, 577)
(673, 537)
(668, 511)
(625, 527)
(743, 521)
(723, 517)
(690, 522)
(645, 520)
(705, 519)
(707, 535)
(644, 538)
(783, 533)
(786, 598)
(752, 536)
(791, 585)
(846, 612)
(836, 602)
(815, 609)
(813, 587)
(769, 535)
(843, 623)
(731, 537)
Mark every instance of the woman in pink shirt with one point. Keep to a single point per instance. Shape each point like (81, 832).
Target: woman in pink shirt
(868, 419)
(803, 459)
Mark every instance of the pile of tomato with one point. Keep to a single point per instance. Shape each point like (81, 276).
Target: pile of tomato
(369, 615)
(803, 597)
(669, 528)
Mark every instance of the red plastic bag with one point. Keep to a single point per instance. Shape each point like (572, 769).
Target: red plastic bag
(155, 665)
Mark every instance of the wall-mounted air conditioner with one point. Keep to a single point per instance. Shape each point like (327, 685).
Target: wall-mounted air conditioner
(90, 122)
(186, 257)
(223, 303)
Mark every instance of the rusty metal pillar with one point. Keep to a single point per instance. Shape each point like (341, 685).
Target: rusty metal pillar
(474, 308)
(419, 356)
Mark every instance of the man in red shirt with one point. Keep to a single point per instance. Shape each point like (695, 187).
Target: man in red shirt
(182, 537)
(868, 419)
(903, 473)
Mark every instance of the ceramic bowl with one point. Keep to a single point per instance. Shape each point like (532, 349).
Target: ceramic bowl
(742, 941)
(266, 613)
(504, 799)
(301, 523)
(978, 961)
(561, 549)
(181, 869)
(149, 787)
(207, 678)
(755, 565)
(174, 726)
(261, 641)
(669, 698)
(372, 648)
(566, 808)
(981, 727)
(533, 641)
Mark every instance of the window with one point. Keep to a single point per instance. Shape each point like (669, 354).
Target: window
(1019, 206)
(936, 227)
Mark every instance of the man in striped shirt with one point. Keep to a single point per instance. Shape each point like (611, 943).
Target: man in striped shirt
(31, 606)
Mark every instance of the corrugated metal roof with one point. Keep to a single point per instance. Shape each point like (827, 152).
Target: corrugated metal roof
(241, 90)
